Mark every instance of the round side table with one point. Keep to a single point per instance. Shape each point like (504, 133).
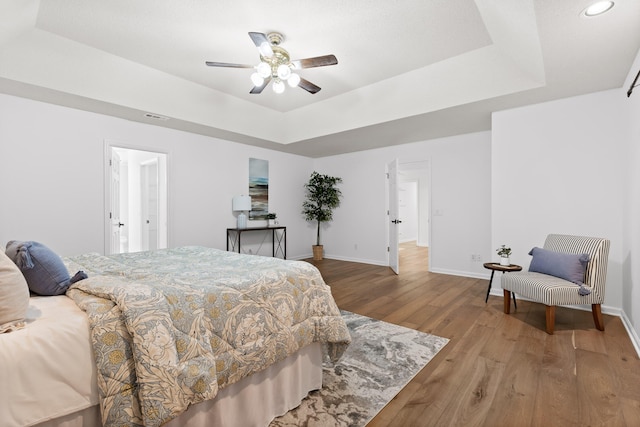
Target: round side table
(496, 266)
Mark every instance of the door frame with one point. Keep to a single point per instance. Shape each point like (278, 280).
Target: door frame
(425, 166)
(108, 145)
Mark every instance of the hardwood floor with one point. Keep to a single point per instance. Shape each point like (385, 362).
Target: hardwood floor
(497, 369)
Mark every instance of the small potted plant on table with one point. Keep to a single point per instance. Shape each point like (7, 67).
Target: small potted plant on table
(504, 253)
(271, 220)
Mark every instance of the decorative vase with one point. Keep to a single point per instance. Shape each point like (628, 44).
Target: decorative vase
(505, 261)
(317, 252)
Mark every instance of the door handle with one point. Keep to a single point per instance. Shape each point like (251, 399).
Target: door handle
(120, 225)
(396, 221)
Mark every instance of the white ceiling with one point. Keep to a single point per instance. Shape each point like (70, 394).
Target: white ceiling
(407, 70)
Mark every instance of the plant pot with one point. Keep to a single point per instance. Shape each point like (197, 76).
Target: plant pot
(317, 252)
(505, 261)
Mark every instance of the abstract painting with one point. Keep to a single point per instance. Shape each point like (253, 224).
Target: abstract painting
(259, 188)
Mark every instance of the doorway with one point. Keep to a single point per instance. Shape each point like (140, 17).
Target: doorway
(137, 199)
(413, 197)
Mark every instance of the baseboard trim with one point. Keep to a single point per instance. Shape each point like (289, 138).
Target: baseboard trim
(472, 274)
(635, 340)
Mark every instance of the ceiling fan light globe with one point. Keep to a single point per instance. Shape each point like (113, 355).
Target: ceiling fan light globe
(265, 49)
(256, 79)
(264, 70)
(278, 86)
(284, 71)
(293, 80)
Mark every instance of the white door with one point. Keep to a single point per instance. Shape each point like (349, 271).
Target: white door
(394, 221)
(114, 213)
(150, 206)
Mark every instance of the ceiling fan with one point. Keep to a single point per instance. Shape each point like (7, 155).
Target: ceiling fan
(275, 65)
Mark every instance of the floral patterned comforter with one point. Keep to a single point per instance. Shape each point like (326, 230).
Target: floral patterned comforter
(171, 327)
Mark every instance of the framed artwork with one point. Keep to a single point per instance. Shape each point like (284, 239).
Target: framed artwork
(259, 188)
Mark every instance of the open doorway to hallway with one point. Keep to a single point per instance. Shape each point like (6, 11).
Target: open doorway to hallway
(414, 202)
(136, 201)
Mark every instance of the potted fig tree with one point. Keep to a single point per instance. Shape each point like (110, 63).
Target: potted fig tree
(322, 197)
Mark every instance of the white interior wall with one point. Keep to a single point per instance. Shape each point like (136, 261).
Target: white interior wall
(460, 202)
(559, 167)
(631, 207)
(53, 174)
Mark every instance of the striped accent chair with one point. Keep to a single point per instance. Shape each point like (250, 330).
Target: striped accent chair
(553, 291)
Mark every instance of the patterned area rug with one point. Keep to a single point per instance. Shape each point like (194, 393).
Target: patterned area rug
(380, 361)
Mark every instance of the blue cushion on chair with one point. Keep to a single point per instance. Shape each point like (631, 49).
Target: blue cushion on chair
(44, 270)
(569, 267)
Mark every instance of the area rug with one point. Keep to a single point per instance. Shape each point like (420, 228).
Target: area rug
(380, 361)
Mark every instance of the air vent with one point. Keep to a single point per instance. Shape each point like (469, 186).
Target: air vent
(155, 116)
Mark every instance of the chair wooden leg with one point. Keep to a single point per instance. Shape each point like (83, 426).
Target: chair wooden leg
(597, 316)
(507, 301)
(551, 318)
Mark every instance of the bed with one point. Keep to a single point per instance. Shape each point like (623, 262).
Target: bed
(188, 336)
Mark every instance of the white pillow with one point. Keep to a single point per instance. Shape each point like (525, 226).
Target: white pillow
(14, 295)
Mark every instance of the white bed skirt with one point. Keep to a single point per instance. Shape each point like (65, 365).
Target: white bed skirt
(253, 401)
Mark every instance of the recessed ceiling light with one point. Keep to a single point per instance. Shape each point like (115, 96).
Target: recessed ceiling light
(598, 8)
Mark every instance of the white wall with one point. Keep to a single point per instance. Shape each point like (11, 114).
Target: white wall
(560, 167)
(631, 207)
(52, 171)
(460, 195)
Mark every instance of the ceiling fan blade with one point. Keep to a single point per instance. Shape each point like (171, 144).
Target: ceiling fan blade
(258, 89)
(318, 61)
(308, 86)
(262, 43)
(227, 64)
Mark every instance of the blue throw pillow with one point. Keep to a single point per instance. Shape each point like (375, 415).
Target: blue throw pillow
(43, 269)
(569, 267)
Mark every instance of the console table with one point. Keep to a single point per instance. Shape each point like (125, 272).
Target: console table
(278, 239)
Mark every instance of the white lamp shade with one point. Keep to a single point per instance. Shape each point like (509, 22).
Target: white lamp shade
(241, 203)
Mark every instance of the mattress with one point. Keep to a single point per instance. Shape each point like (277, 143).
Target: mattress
(47, 368)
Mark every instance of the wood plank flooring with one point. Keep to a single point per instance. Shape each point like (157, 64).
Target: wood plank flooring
(497, 369)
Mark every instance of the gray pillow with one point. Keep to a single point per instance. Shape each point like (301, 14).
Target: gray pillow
(44, 270)
(569, 267)
(14, 295)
